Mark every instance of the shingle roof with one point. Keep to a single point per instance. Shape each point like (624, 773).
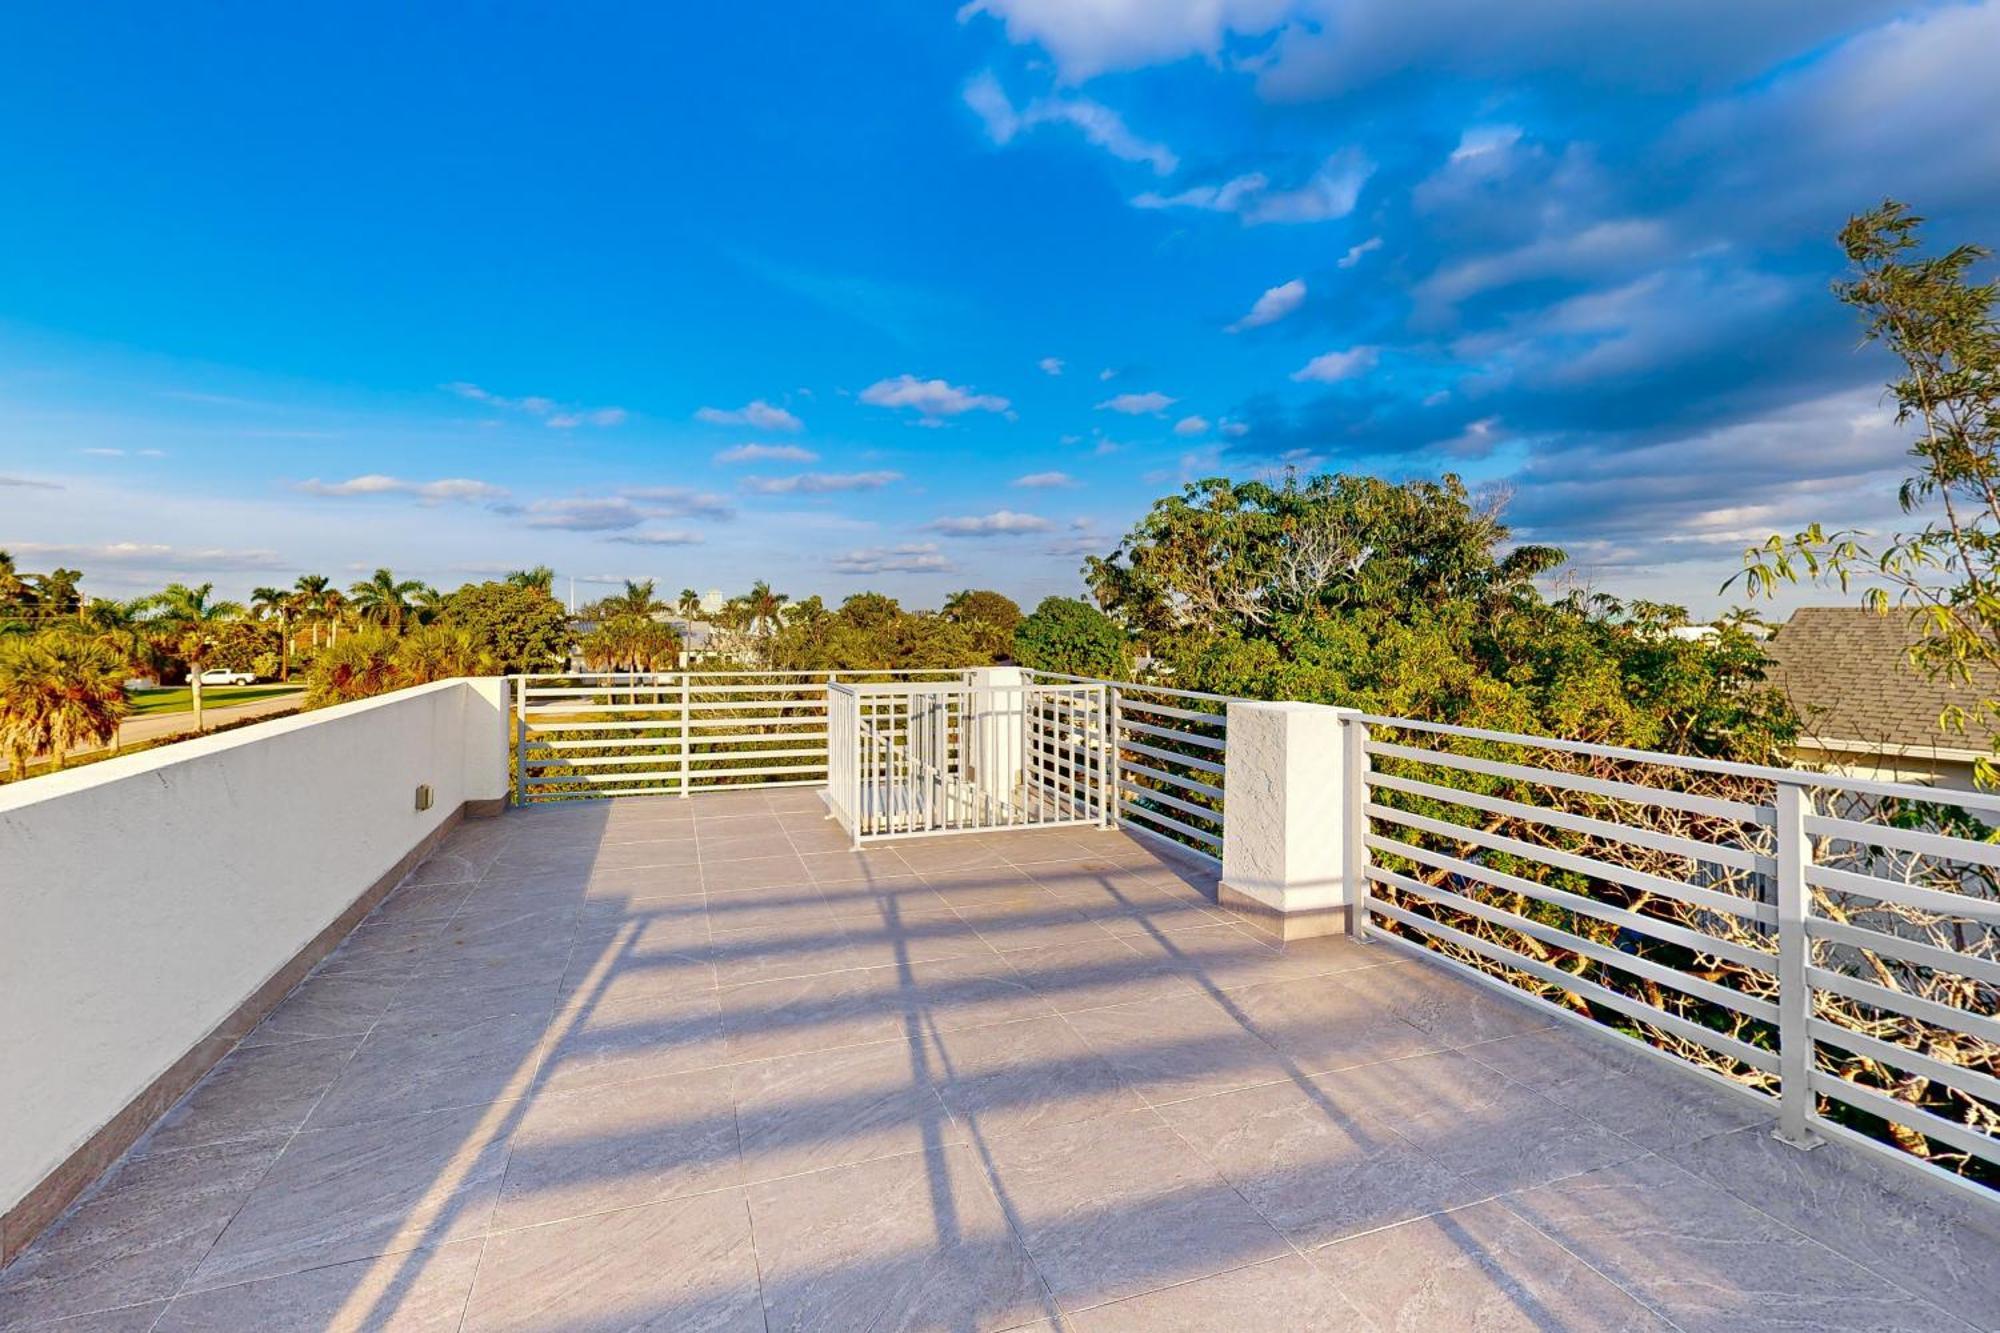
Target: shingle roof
(1847, 672)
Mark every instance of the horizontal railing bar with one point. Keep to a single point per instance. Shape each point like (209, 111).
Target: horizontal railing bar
(1971, 1082)
(1130, 686)
(1961, 1137)
(1693, 849)
(1199, 811)
(1633, 792)
(1171, 779)
(1945, 1016)
(1188, 761)
(1908, 951)
(1207, 742)
(1753, 1056)
(1940, 901)
(1747, 1005)
(1904, 839)
(605, 761)
(1130, 705)
(1202, 836)
(673, 742)
(1582, 865)
(1667, 931)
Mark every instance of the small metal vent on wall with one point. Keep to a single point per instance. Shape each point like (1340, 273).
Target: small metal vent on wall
(424, 797)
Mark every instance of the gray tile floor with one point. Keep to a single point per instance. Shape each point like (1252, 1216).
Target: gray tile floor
(694, 1065)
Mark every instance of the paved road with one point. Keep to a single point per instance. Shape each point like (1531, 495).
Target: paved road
(153, 727)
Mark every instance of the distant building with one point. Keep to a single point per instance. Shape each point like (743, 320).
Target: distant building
(1866, 711)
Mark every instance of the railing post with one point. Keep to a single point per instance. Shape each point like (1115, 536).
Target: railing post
(520, 740)
(1354, 825)
(1107, 755)
(1796, 1103)
(686, 765)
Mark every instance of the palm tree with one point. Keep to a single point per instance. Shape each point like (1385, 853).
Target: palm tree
(57, 593)
(312, 591)
(13, 587)
(761, 606)
(192, 618)
(541, 578)
(121, 627)
(277, 604)
(58, 690)
(384, 600)
(636, 600)
(429, 604)
(690, 604)
(439, 652)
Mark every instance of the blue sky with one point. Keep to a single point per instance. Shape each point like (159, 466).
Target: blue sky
(910, 298)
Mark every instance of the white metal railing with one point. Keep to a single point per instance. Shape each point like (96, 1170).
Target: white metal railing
(917, 759)
(1172, 747)
(673, 733)
(1833, 943)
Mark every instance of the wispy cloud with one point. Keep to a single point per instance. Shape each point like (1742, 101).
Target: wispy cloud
(548, 411)
(767, 453)
(1096, 122)
(1137, 404)
(102, 452)
(1047, 481)
(1191, 425)
(931, 398)
(908, 558)
(1050, 365)
(30, 484)
(148, 556)
(756, 412)
(1356, 253)
(671, 537)
(427, 492)
(679, 502)
(585, 514)
(1273, 305)
(820, 483)
(1332, 366)
(999, 523)
(1330, 192)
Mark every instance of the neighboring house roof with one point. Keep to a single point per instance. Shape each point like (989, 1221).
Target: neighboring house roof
(1847, 672)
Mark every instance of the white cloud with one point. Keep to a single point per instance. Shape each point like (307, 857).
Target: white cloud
(908, 558)
(1594, 250)
(999, 523)
(1088, 37)
(1331, 366)
(1330, 192)
(1046, 481)
(427, 492)
(1106, 374)
(1096, 122)
(1355, 253)
(679, 502)
(761, 453)
(585, 514)
(546, 410)
(146, 556)
(756, 413)
(932, 398)
(30, 484)
(1191, 426)
(668, 537)
(1485, 141)
(1234, 428)
(1137, 404)
(820, 483)
(1050, 365)
(1273, 305)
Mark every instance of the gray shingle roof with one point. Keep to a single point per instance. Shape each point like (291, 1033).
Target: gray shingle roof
(1847, 672)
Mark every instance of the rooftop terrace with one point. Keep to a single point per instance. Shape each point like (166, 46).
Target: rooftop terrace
(693, 1063)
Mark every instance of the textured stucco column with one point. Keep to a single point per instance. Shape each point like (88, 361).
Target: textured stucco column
(1283, 840)
(487, 769)
(999, 732)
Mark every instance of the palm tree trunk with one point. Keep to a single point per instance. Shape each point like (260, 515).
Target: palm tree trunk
(194, 681)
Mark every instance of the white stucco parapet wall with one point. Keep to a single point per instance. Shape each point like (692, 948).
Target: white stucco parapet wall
(143, 899)
(1283, 843)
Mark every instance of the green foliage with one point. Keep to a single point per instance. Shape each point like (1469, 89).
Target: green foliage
(59, 688)
(870, 632)
(631, 642)
(1073, 638)
(1945, 576)
(520, 626)
(991, 617)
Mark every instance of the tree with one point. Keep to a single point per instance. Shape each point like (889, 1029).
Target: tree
(991, 617)
(13, 588)
(1945, 576)
(540, 579)
(1073, 638)
(440, 652)
(280, 605)
(384, 600)
(870, 610)
(521, 626)
(357, 667)
(317, 600)
(761, 607)
(58, 593)
(192, 621)
(630, 643)
(689, 604)
(58, 689)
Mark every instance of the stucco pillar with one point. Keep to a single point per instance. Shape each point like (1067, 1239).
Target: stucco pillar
(998, 732)
(1283, 844)
(486, 725)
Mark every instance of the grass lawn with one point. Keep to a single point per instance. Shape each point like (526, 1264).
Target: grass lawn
(179, 699)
